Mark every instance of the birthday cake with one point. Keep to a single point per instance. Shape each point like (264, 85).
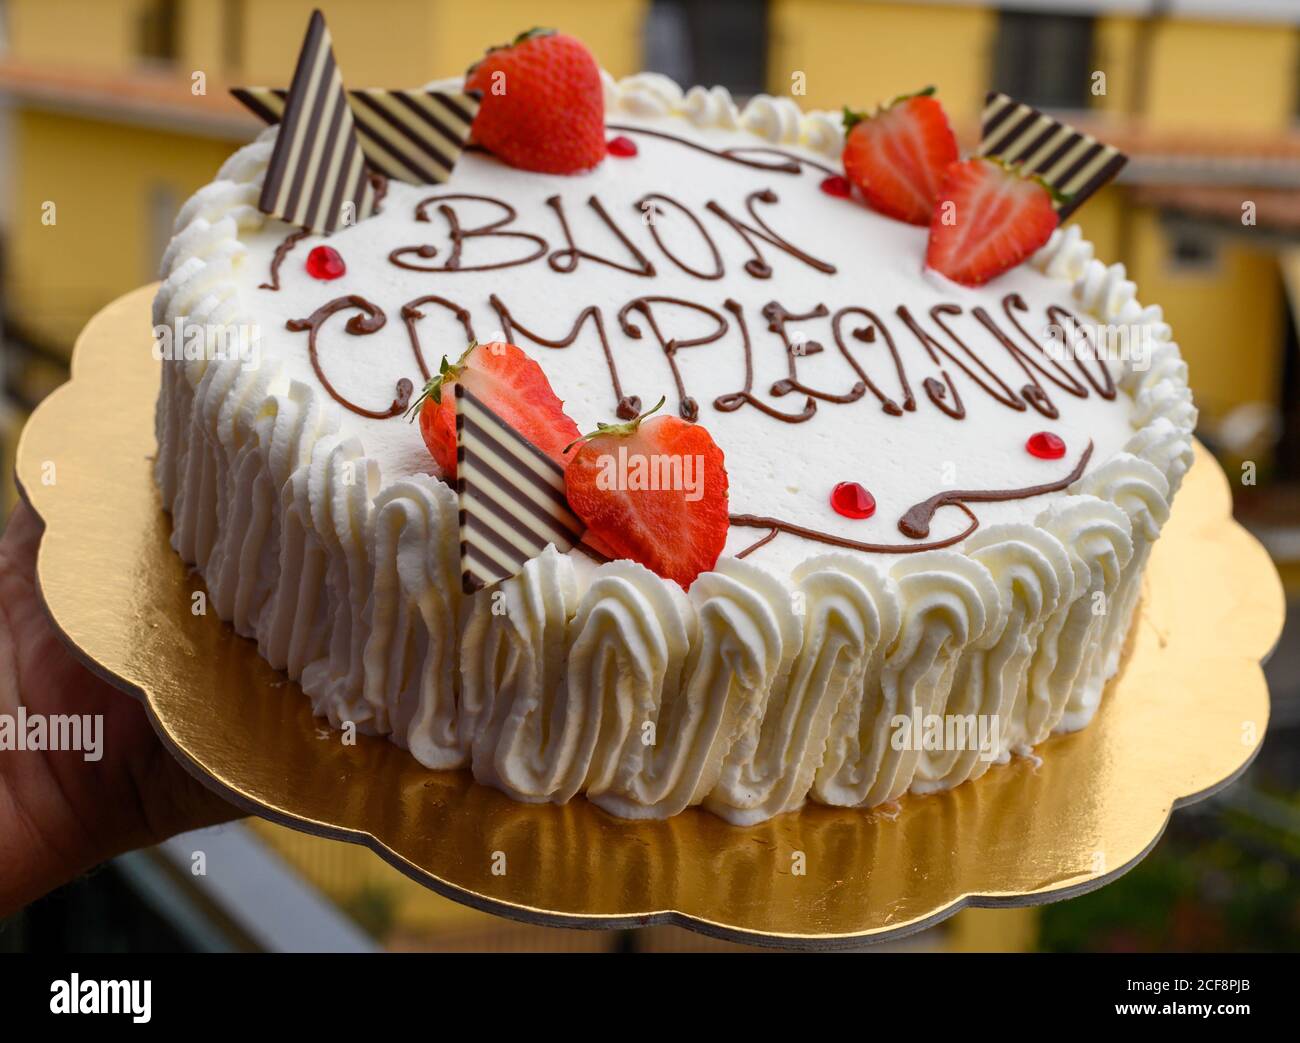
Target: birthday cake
(886, 529)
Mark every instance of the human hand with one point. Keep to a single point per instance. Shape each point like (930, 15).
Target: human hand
(61, 814)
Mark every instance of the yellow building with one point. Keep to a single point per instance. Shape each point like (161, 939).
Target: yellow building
(113, 111)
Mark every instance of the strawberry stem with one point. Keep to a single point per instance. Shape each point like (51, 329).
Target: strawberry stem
(524, 37)
(622, 429)
(852, 119)
(529, 34)
(924, 92)
(1018, 169)
(447, 371)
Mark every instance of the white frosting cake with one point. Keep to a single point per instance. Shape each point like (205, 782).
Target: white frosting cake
(784, 674)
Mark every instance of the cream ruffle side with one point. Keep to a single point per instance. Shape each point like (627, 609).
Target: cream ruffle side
(748, 695)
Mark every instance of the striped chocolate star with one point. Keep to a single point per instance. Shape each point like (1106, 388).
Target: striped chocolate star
(1073, 163)
(512, 501)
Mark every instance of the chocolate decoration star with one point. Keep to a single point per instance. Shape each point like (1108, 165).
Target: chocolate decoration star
(411, 135)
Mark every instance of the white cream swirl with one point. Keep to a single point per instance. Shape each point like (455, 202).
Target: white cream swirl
(778, 121)
(1140, 489)
(989, 696)
(711, 107)
(632, 636)
(845, 616)
(948, 602)
(410, 657)
(744, 642)
(521, 730)
(1066, 673)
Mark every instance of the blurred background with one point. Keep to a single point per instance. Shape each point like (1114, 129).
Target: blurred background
(114, 111)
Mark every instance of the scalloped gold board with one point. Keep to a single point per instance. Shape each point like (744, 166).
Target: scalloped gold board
(1185, 716)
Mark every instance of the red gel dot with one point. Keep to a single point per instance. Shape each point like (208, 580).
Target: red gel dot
(621, 146)
(1045, 446)
(325, 263)
(837, 186)
(852, 501)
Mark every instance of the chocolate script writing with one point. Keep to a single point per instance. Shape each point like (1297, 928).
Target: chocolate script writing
(888, 356)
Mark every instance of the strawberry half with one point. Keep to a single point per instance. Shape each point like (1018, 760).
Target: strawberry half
(654, 491)
(998, 218)
(898, 154)
(509, 383)
(543, 105)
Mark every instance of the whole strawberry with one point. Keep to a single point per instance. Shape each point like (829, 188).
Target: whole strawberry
(654, 491)
(989, 218)
(897, 155)
(509, 383)
(543, 104)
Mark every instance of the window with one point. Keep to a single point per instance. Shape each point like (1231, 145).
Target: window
(721, 42)
(1044, 59)
(156, 33)
(162, 204)
(232, 35)
(1192, 251)
(1286, 454)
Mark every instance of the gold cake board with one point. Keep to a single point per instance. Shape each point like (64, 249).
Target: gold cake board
(1184, 718)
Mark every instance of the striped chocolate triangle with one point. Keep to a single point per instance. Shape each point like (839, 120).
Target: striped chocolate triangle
(317, 177)
(414, 136)
(266, 103)
(512, 501)
(1075, 164)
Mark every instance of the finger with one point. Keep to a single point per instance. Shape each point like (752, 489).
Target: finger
(21, 538)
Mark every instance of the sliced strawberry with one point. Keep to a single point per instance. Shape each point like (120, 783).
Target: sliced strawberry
(990, 218)
(654, 491)
(543, 105)
(509, 383)
(898, 154)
